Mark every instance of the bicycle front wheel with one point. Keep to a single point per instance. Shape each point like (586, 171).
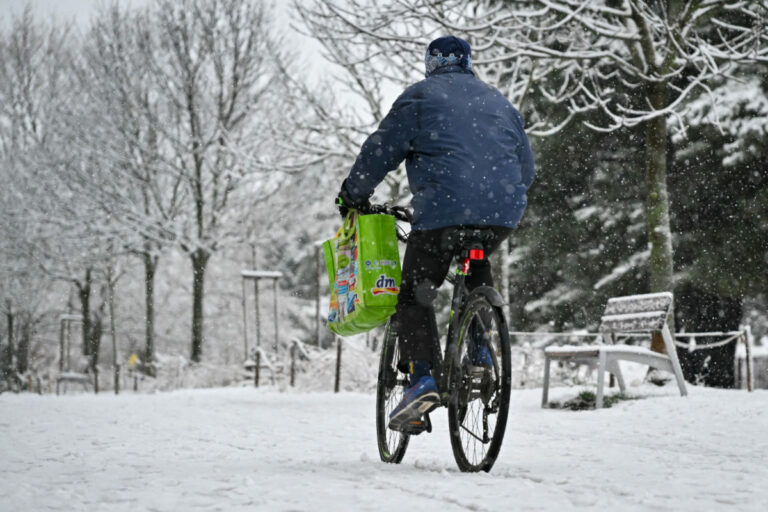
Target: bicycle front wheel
(389, 391)
(480, 382)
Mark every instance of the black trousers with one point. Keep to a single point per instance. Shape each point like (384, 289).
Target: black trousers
(428, 256)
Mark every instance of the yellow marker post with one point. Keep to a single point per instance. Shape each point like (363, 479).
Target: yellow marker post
(132, 362)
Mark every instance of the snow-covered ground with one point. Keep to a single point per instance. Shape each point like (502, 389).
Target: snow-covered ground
(246, 449)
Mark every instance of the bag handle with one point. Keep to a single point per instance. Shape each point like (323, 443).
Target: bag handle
(347, 229)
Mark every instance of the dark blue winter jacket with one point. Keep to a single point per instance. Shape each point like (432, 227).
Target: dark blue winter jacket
(466, 153)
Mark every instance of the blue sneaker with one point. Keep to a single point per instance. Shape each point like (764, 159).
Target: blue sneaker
(420, 398)
(479, 353)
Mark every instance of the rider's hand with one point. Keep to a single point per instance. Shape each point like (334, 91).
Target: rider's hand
(344, 202)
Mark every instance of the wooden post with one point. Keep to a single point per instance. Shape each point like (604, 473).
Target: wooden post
(277, 323)
(258, 314)
(256, 368)
(338, 365)
(293, 364)
(748, 355)
(112, 329)
(245, 320)
(9, 316)
(545, 387)
(318, 276)
(68, 344)
(601, 362)
(61, 346)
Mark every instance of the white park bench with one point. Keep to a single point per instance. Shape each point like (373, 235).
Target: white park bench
(634, 314)
(83, 379)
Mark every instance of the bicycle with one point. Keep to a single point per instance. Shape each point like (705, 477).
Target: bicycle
(477, 397)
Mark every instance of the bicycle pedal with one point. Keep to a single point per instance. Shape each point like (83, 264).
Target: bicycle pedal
(416, 427)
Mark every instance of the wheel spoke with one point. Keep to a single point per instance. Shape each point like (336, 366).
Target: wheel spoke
(479, 319)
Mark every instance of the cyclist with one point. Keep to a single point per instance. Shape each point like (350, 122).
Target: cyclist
(469, 164)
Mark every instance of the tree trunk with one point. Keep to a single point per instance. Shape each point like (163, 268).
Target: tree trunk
(94, 337)
(8, 363)
(22, 350)
(505, 249)
(84, 293)
(112, 330)
(658, 226)
(150, 266)
(199, 262)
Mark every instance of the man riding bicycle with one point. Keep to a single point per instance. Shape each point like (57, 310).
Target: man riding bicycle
(469, 164)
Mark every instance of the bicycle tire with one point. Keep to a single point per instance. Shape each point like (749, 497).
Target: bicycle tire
(479, 390)
(389, 391)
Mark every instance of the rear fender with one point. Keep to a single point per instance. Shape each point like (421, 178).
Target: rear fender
(490, 293)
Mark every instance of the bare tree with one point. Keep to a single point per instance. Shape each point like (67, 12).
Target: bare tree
(364, 73)
(33, 67)
(123, 106)
(214, 75)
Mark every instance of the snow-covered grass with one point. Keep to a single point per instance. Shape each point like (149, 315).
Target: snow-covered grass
(259, 449)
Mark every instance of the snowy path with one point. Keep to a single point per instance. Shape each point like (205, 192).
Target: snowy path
(246, 449)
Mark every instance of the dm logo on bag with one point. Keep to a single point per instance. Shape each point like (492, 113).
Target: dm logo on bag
(385, 285)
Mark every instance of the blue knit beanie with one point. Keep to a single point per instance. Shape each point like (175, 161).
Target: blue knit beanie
(448, 51)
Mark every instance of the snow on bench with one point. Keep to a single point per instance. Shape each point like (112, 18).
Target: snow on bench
(631, 314)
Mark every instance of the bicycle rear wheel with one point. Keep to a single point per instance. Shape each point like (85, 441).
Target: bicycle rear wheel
(479, 404)
(389, 391)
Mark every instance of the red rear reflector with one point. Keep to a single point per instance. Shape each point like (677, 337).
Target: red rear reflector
(476, 254)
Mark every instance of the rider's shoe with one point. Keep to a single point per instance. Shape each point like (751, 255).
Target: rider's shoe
(420, 398)
(479, 353)
(482, 356)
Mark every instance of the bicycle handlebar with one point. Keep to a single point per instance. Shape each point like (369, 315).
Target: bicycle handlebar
(401, 213)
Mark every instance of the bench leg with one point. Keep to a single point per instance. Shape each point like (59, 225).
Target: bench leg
(672, 353)
(600, 380)
(545, 388)
(615, 369)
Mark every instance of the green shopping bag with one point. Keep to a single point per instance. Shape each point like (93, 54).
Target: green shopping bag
(363, 263)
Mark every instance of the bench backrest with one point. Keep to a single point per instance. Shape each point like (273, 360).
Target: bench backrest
(636, 313)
